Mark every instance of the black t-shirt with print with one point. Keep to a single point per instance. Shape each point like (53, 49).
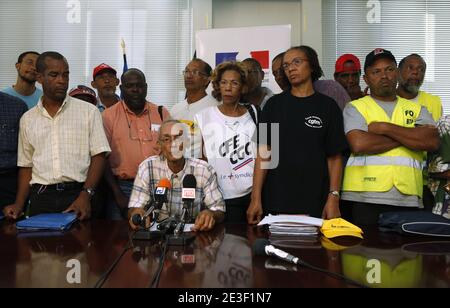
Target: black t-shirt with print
(310, 130)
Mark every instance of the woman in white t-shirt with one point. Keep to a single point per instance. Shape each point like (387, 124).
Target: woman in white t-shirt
(228, 145)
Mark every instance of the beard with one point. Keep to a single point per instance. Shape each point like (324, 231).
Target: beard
(385, 91)
(411, 87)
(27, 79)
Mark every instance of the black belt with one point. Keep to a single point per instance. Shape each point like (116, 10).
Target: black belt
(59, 186)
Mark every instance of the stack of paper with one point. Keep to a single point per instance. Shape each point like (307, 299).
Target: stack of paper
(293, 230)
(291, 219)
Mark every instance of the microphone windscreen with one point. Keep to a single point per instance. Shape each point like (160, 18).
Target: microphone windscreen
(259, 246)
(164, 182)
(189, 181)
(136, 219)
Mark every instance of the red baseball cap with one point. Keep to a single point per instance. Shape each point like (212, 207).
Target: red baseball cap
(100, 68)
(348, 57)
(83, 90)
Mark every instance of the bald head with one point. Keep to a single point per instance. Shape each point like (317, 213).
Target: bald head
(133, 72)
(134, 89)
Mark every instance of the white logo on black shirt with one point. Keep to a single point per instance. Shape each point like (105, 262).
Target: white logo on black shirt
(313, 122)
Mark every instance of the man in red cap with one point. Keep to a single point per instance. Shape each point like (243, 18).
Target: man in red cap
(105, 81)
(348, 72)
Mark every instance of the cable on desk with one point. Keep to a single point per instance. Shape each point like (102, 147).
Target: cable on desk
(108, 272)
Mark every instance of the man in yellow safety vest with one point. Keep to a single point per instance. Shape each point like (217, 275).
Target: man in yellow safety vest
(387, 135)
(412, 71)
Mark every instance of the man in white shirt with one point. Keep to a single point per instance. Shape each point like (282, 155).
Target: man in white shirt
(62, 147)
(196, 80)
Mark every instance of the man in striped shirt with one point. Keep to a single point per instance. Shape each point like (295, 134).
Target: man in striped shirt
(209, 207)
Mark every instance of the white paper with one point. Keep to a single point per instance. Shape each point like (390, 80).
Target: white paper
(299, 219)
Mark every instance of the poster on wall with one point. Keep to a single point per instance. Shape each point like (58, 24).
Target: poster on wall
(262, 43)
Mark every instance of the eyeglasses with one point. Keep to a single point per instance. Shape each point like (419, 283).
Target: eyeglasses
(193, 73)
(169, 139)
(296, 62)
(234, 84)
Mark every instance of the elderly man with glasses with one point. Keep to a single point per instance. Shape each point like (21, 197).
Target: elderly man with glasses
(131, 127)
(196, 80)
(208, 207)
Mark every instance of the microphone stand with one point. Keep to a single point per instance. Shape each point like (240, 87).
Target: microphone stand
(179, 237)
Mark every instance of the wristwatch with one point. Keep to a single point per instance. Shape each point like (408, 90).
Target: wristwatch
(90, 191)
(335, 193)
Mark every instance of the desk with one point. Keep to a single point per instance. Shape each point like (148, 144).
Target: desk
(219, 258)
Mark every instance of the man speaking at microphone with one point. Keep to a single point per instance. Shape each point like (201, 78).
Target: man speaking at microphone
(208, 206)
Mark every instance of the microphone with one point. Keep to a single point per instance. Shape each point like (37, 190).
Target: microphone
(188, 197)
(139, 220)
(161, 192)
(262, 247)
(160, 197)
(188, 190)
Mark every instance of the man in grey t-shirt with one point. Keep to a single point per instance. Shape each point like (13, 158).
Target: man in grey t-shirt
(368, 141)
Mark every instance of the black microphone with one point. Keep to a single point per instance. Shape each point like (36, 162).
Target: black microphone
(139, 220)
(188, 197)
(160, 197)
(262, 247)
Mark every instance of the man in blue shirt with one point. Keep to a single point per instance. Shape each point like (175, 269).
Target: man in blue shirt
(25, 87)
(11, 110)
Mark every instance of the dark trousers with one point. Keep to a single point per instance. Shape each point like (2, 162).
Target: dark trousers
(54, 201)
(368, 213)
(8, 187)
(236, 209)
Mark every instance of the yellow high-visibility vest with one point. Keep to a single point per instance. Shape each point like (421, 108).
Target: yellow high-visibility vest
(432, 103)
(399, 167)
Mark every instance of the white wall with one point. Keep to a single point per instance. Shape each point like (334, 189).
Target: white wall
(312, 25)
(248, 13)
(202, 17)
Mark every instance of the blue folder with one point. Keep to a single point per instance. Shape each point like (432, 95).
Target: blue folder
(54, 221)
(1, 216)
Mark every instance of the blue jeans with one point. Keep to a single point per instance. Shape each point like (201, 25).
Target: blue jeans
(113, 210)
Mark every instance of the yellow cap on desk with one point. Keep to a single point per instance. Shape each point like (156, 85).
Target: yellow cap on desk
(340, 227)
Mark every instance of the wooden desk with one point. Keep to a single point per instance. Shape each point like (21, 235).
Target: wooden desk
(220, 258)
